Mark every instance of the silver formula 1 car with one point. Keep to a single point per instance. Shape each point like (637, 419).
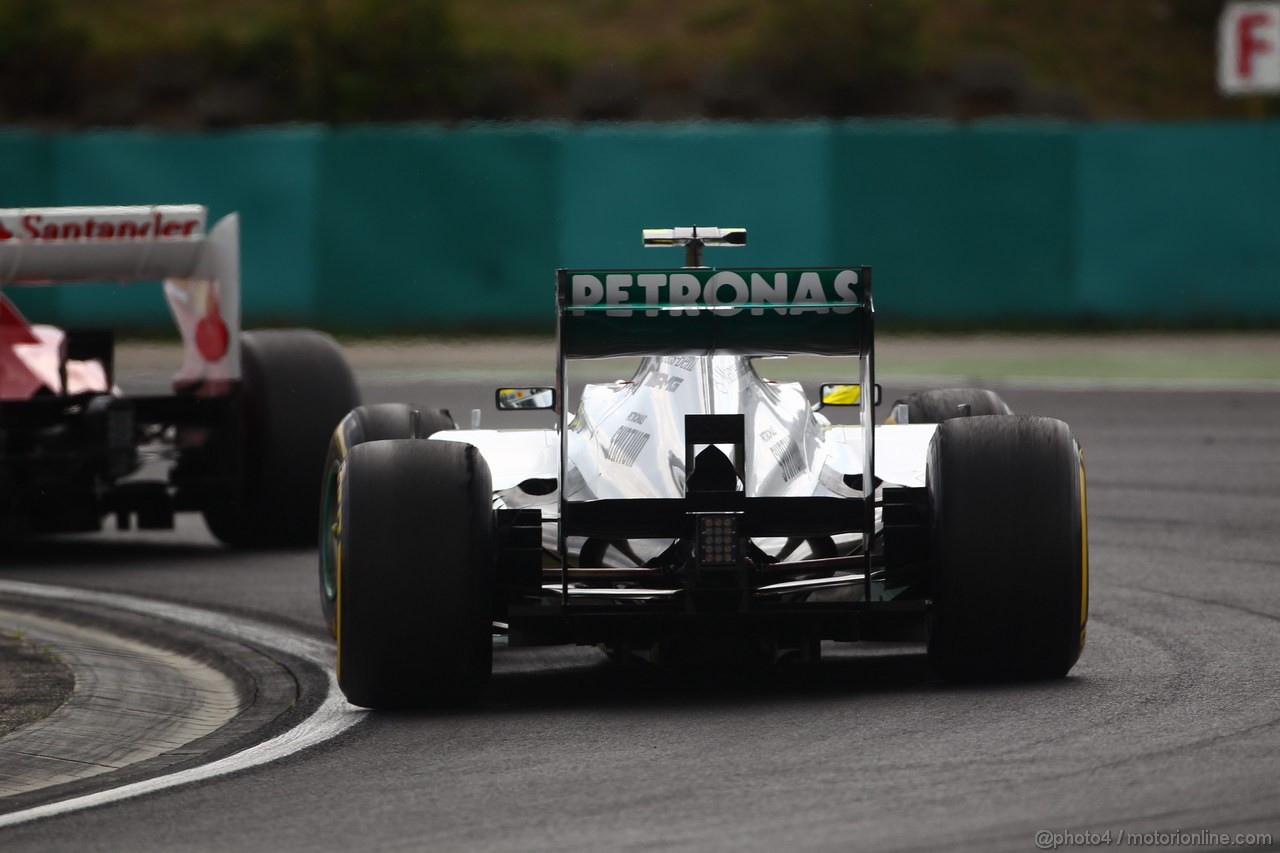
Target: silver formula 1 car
(697, 507)
(242, 434)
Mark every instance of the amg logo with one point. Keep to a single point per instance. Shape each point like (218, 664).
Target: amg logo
(663, 381)
(637, 417)
(626, 445)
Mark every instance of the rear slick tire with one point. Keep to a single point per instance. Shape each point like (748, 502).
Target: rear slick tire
(415, 582)
(362, 424)
(1009, 565)
(296, 386)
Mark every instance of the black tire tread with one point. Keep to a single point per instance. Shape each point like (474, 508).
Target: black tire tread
(416, 574)
(296, 386)
(1005, 495)
(377, 422)
(936, 406)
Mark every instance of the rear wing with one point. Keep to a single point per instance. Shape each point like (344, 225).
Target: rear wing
(693, 310)
(200, 271)
(697, 310)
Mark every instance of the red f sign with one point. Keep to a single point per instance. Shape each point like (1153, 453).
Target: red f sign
(1249, 48)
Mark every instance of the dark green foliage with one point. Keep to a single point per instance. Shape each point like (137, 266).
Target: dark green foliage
(373, 60)
(40, 52)
(225, 63)
(836, 57)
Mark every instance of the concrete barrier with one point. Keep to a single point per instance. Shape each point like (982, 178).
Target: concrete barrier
(378, 229)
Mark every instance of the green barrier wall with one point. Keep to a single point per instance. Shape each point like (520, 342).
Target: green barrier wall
(620, 180)
(1180, 223)
(425, 228)
(430, 226)
(960, 224)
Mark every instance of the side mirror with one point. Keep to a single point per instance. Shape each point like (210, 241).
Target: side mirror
(516, 399)
(833, 394)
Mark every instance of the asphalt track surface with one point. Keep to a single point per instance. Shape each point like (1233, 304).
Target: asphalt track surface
(1170, 722)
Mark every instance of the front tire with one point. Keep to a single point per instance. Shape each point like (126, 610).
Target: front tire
(1009, 578)
(415, 583)
(934, 407)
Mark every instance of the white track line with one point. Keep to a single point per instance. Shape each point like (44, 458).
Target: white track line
(330, 719)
